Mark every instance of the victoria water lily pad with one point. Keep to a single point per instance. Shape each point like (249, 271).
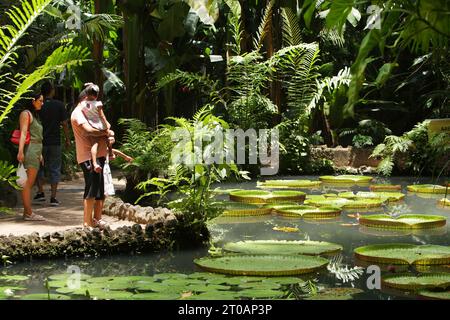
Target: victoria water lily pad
(335, 294)
(236, 209)
(345, 203)
(385, 187)
(155, 296)
(404, 221)
(427, 188)
(272, 247)
(422, 281)
(310, 212)
(44, 296)
(6, 292)
(436, 295)
(13, 278)
(346, 179)
(257, 196)
(384, 196)
(289, 184)
(260, 293)
(405, 254)
(214, 295)
(286, 229)
(99, 294)
(262, 265)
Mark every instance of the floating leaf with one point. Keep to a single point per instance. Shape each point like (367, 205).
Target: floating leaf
(286, 229)
(13, 278)
(427, 188)
(289, 184)
(384, 196)
(438, 295)
(422, 281)
(44, 296)
(309, 212)
(345, 203)
(256, 196)
(265, 265)
(155, 296)
(346, 179)
(335, 294)
(385, 187)
(285, 247)
(405, 254)
(405, 221)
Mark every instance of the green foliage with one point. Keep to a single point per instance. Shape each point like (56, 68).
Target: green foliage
(368, 133)
(7, 174)
(149, 149)
(190, 175)
(22, 17)
(421, 151)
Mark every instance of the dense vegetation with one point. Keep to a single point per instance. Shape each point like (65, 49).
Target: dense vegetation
(342, 72)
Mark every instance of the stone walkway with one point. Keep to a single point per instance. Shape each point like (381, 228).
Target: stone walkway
(67, 216)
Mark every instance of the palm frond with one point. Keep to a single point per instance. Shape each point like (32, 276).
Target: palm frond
(265, 25)
(22, 17)
(291, 28)
(60, 59)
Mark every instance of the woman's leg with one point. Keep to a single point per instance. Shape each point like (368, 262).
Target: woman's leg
(26, 191)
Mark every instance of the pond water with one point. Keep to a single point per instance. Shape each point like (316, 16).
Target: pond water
(343, 231)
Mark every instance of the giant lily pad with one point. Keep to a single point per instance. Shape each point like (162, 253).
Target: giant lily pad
(345, 203)
(262, 265)
(310, 212)
(281, 184)
(435, 295)
(256, 196)
(384, 196)
(236, 209)
(45, 296)
(427, 188)
(346, 179)
(404, 254)
(385, 187)
(421, 281)
(272, 247)
(13, 278)
(404, 221)
(335, 294)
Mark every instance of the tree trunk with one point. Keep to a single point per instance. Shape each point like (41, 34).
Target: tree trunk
(97, 52)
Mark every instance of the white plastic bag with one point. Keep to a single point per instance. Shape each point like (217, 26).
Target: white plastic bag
(107, 176)
(22, 174)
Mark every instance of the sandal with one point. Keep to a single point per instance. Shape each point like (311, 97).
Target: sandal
(33, 217)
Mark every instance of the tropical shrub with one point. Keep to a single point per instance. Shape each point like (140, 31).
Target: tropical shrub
(191, 173)
(418, 152)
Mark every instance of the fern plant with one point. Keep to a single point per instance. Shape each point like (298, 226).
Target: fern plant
(420, 152)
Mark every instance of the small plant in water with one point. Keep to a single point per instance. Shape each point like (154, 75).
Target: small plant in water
(214, 251)
(5, 260)
(302, 290)
(343, 272)
(397, 210)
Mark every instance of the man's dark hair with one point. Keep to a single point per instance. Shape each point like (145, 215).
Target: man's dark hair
(46, 88)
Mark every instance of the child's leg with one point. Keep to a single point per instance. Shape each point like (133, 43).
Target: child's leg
(95, 164)
(112, 156)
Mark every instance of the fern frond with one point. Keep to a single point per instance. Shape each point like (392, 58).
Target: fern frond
(265, 25)
(22, 18)
(291, 28)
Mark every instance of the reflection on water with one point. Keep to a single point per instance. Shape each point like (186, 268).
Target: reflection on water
(224, 229)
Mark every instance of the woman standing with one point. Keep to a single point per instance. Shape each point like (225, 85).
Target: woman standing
(30, 155)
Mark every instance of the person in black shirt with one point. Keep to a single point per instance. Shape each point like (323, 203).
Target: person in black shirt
(53, 115)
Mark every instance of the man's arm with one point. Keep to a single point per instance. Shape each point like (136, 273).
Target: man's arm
(96, 133)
